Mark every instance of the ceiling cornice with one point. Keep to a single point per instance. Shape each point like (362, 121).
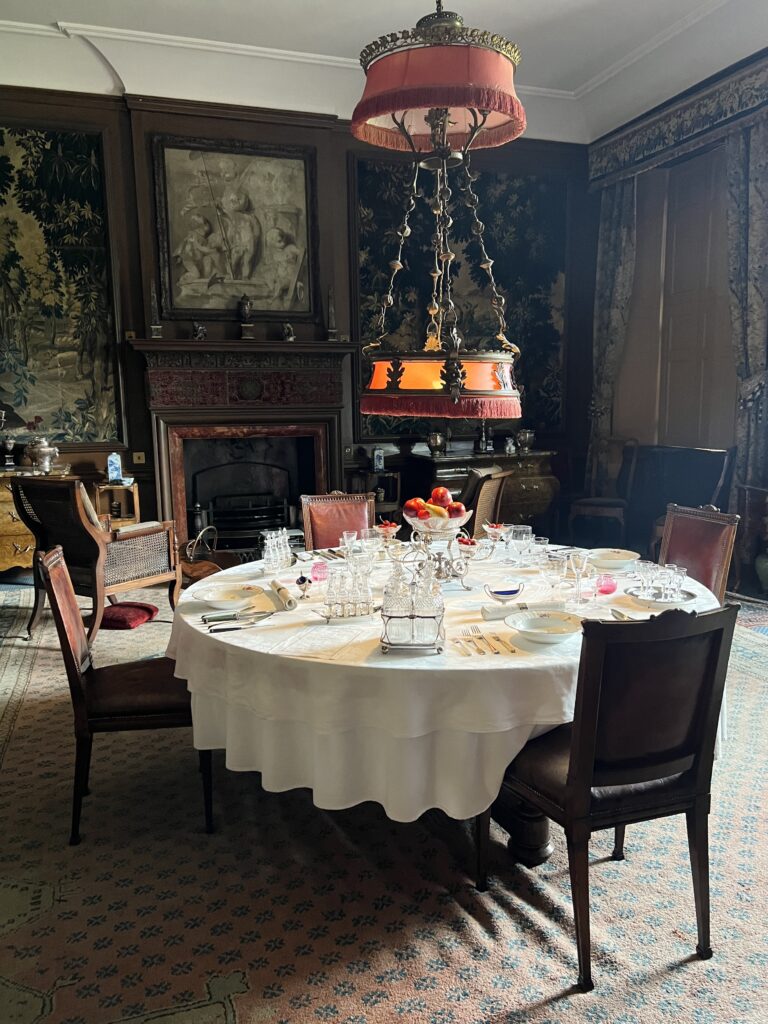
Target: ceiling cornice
(29, 28)
(124, 35)
(647, 48)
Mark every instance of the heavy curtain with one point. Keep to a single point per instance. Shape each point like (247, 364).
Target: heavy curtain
(613, 294)
(747, 215)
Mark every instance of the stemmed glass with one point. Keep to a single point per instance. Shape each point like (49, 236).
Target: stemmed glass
(519, 537)
(579, 561)
(555, 572)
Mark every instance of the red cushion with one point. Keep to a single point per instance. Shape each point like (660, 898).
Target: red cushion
(127, 615)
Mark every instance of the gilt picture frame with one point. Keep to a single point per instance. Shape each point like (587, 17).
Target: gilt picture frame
(235, 219)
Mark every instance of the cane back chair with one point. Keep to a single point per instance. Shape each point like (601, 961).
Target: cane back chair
(101, 562)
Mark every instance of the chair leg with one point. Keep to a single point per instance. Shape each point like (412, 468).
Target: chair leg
(82, 761)
(698, 847)
(174, 589)
(482, 842)
(578, 865)
(206, 770)
(112, 598)
(38, 605)
(87, 790)
(96, 617)
(618, 842)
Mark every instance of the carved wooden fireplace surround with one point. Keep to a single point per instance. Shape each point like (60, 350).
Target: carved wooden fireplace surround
(240, 389)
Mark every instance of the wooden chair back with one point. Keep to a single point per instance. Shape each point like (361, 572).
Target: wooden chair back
(53, 510)
(647, 701)
(327, 516)
(701, 540)
(69, 626)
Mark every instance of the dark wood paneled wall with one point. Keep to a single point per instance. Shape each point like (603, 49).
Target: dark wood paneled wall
(127, 125)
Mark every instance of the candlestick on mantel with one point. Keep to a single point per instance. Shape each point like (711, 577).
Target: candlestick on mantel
(331, 316)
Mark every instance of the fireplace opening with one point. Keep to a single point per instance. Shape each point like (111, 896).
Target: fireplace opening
(246, 486)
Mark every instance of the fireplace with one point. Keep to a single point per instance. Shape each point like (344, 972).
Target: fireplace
(243, 478)
(242, 429)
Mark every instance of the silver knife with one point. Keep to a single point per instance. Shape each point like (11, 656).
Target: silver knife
(487, 642)
(504, 643)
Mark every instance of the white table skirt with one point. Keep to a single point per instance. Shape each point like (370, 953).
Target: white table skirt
(410, 731)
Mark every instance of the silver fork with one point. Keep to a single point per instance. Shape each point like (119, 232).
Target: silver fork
(468, 636)
(477, 632)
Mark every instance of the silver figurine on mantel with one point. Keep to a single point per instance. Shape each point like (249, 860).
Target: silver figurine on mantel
(245, 312)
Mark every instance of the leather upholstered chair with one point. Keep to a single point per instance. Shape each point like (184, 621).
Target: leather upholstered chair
(133, 695)
(701, 540)
(641, 746)
(101, 562)
(327, 516)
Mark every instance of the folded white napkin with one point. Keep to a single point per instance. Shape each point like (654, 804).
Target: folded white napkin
(496, 611)
(283, 596)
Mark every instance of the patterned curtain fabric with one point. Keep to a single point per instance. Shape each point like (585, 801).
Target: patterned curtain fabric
(747, 212)
(613, 294)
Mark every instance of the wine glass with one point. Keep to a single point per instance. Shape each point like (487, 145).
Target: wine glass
(579, 560)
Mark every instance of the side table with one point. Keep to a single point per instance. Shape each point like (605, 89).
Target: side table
(128, 497)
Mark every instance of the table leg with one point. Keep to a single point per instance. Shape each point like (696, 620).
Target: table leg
(529, 839)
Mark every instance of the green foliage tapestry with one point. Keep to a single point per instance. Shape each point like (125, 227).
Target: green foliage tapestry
(56, 326)
(525, 234)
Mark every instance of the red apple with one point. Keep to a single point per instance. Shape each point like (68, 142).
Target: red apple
(413, 506)
(455, 509)
(424, 514)
(441, 496)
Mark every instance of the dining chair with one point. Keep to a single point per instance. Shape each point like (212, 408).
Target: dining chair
(131, 695)
(608, 495)
(327, 516)
(640, 747)
(102, 562)
(486, 501)
(701, 540)
(717, 497)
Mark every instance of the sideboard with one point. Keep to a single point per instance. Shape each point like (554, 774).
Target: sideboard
(17, 545)
(528, 496)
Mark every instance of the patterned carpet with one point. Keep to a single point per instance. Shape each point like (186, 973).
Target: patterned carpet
(292, 915)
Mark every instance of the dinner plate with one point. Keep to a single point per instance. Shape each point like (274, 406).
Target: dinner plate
(686, 596)
(545, 627)
(613, 558)
(229, 596)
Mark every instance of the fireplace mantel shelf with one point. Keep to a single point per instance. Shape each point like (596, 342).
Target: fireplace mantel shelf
(239, 345)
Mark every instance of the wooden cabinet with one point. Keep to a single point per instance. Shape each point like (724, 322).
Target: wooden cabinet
(17, 545)
(528, 496)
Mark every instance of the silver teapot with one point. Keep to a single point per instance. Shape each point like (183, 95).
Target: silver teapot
(40, 453)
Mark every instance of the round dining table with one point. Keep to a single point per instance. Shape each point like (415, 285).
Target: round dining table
(319, 705)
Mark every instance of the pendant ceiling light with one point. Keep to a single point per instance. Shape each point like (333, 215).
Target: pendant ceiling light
(436, 91)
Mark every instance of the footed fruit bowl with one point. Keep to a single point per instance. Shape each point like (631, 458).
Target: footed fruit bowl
(437, 525)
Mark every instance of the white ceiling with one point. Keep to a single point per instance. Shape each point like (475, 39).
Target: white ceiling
(588, 65)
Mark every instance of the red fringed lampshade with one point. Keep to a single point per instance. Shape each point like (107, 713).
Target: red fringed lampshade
(488, 391)
(412, 82)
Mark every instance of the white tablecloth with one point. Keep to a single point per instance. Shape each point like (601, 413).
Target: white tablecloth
(408, 730)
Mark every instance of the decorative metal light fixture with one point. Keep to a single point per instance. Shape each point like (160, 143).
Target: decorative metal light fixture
(437, 90)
